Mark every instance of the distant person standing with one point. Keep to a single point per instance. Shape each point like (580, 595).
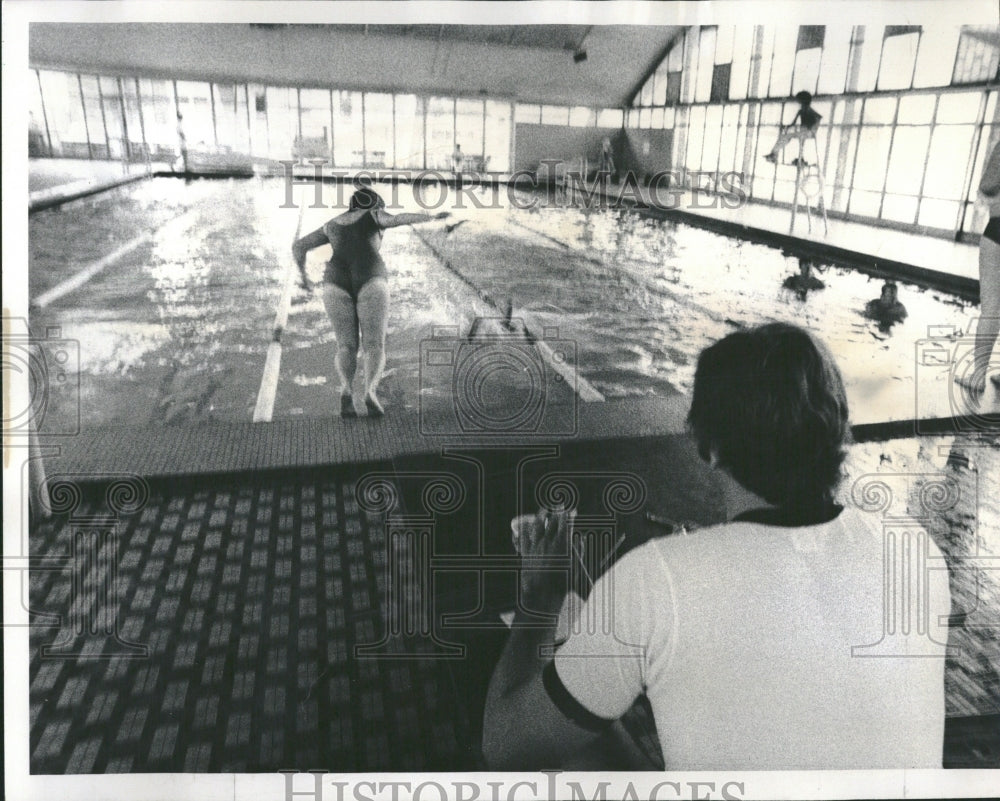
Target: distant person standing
(607, 157)
(803, 126)
(989, 280)
(458, 158)
(182, 140)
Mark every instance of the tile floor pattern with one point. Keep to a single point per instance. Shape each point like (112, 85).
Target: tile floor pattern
(250, 601)
(250, 595)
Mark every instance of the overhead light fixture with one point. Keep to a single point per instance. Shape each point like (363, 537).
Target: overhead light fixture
(579, 55)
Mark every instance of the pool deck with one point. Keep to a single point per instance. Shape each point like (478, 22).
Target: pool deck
(882, 251)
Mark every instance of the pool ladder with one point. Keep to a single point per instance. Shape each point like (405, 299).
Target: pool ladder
(809, 184)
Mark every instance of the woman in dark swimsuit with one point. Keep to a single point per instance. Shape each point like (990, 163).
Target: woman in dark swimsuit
(356, 289)
(988, 326)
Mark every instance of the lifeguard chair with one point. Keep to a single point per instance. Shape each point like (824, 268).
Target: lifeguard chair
(809, 184)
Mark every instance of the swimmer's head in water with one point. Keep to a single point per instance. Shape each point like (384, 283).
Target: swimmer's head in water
(769, 408)
(804, 98)
(889, 292)
(366, 198)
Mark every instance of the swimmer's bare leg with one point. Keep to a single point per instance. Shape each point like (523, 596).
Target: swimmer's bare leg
(373, 317)
(344, 317)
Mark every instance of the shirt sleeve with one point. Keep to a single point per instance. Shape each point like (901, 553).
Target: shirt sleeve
(601, 666)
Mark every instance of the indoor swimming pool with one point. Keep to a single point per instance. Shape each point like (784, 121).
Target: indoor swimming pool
(176, 330)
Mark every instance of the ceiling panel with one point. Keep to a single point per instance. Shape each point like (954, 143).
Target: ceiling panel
(531, 63)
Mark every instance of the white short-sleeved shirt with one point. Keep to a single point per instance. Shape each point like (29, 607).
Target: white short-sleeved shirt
(750, 641)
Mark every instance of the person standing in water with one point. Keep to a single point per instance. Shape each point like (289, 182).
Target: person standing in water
(804, 125)
(356, 289)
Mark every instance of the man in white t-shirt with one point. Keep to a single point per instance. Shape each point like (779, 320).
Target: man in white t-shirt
(767, 642)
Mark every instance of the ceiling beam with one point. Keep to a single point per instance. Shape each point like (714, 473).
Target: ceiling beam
(654, 65)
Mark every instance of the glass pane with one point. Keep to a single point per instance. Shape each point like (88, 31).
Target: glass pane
(706, 61)
(873, 155)
(742, 49)
(581, 117)
(259, 134)
(469, 132)
(194, 104)
(644, 115)
(409, 132)
(784, 60)
(724, 39)
(668, 118)
(113, 117)
(713, 133)
(956, 108)
(379, 145)
(440, 133)
(525, 113)
(314, 138)
(936, 56)
(727, 141)
(660, 87)
(906, 163)
(282, 121)
(67, 127)
(348, 133)
(159, 118)
(497, 156)
(242, 121)
(38, 144)
(939, 213)
(133, 119)
(609, 118)
(807, 63)
(646, 95)
(696, 137)
(871, 52)
(675, 58)
(899, 208)
(765, 57)
(836, 50)
(978, 55)
(843, 147)
(947, 160)
(879, 110)
(657, 119)
(864, 203)
(225, 115)
(555, 115)
(898, 56)
(916, 109)
(95, 119)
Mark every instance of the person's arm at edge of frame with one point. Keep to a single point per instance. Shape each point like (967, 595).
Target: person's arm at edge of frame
(989, 184)
(301, 247)
(522, 727)
(386, 220)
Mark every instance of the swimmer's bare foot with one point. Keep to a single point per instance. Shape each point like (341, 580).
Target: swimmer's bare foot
(975, 383)
(347, 406)
(374, 407)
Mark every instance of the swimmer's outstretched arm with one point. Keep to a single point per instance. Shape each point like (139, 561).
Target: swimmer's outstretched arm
(302, 247)
(386, 220)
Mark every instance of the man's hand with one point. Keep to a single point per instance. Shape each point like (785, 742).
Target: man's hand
(545, 539)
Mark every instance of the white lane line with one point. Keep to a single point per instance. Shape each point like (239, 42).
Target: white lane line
(81, 277)
(268, 391)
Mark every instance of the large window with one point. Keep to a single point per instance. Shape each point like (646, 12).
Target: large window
(379, 144)
(348, 130)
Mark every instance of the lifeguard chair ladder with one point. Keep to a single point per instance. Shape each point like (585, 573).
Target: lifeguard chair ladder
(805, 174)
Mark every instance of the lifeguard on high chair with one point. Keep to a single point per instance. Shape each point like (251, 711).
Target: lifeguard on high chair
(808, 174)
